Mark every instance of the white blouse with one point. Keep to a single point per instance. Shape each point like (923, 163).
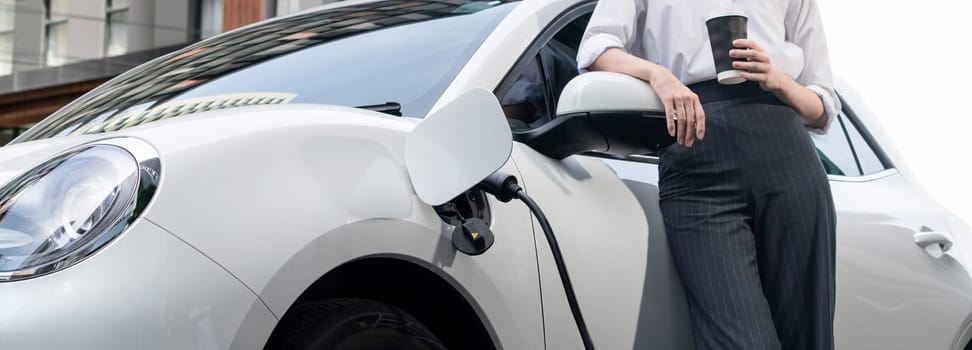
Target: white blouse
(672, 33)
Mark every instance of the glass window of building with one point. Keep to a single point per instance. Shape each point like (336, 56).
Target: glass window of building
(55, 48)
(210, 18)
(6, 36)
(116, 27)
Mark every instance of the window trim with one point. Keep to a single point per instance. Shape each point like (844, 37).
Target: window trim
(866, 135)
(864, 178)
(547, 91)
(548, 32)
(850, 144)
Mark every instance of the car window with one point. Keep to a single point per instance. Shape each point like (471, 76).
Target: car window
(531, 99)
(835, 151)
(869, 160)
(379, 55)
(530, 96)
(526, 103)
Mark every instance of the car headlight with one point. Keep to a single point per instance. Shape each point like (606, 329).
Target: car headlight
(67, 208)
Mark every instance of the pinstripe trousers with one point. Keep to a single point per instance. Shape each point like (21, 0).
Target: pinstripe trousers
(750, 223)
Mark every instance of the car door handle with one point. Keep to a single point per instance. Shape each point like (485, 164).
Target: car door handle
(928, 239)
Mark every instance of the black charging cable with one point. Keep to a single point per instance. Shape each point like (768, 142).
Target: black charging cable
(505, 187)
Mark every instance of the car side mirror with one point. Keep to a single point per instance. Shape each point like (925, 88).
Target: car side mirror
(603, 112)
(457, 146)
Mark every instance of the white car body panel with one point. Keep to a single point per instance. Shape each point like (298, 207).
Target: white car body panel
(604, 237)
(146, 290)
(366, 207)
(887, 284)
(450, 150)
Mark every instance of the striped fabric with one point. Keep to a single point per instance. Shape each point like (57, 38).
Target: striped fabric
(751, 223)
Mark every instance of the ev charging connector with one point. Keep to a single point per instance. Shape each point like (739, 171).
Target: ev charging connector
(505, 187)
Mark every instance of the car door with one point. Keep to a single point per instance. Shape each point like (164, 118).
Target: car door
(891, 293)
(627, 289)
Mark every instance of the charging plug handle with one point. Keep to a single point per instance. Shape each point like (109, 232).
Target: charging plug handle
(501, 185)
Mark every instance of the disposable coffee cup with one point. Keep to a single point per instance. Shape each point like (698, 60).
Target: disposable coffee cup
(723, 28)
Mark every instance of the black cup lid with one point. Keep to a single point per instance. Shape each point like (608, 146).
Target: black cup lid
(725, 13)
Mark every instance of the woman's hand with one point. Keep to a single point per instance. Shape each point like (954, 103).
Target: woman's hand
(681, 104)
(758, 68)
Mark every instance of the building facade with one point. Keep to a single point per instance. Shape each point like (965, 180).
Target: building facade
(53, 51)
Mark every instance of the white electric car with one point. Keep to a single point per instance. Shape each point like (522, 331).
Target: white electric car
(298, 184)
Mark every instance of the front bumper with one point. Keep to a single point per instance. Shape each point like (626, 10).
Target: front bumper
(145, 290)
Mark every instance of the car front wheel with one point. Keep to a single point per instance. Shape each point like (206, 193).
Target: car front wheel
(341, 324)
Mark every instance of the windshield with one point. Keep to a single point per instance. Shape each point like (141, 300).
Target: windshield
(397, 56)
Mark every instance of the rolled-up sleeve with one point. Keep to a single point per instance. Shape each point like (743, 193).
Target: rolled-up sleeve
(611, 25)
(804, 28)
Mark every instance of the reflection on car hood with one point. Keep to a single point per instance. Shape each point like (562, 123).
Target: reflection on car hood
(202, 128)
(181, 108)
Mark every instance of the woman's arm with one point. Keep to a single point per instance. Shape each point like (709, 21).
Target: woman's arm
(611, 28)
(676, 97)
(804, 28)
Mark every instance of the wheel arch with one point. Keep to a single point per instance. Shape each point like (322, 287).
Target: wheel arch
(964, 340)
(414, 286)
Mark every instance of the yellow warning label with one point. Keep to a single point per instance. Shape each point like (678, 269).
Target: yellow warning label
(474, 234)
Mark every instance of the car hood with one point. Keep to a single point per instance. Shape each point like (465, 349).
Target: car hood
(19, 157)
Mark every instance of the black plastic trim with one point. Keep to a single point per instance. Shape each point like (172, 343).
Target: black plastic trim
(868, 138)
(620, 134)
(850, 143)
(634, 133)
(565, 135)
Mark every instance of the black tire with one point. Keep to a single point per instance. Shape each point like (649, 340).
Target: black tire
(345, 324)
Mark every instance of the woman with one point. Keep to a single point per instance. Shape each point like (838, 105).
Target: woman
(746, 202)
